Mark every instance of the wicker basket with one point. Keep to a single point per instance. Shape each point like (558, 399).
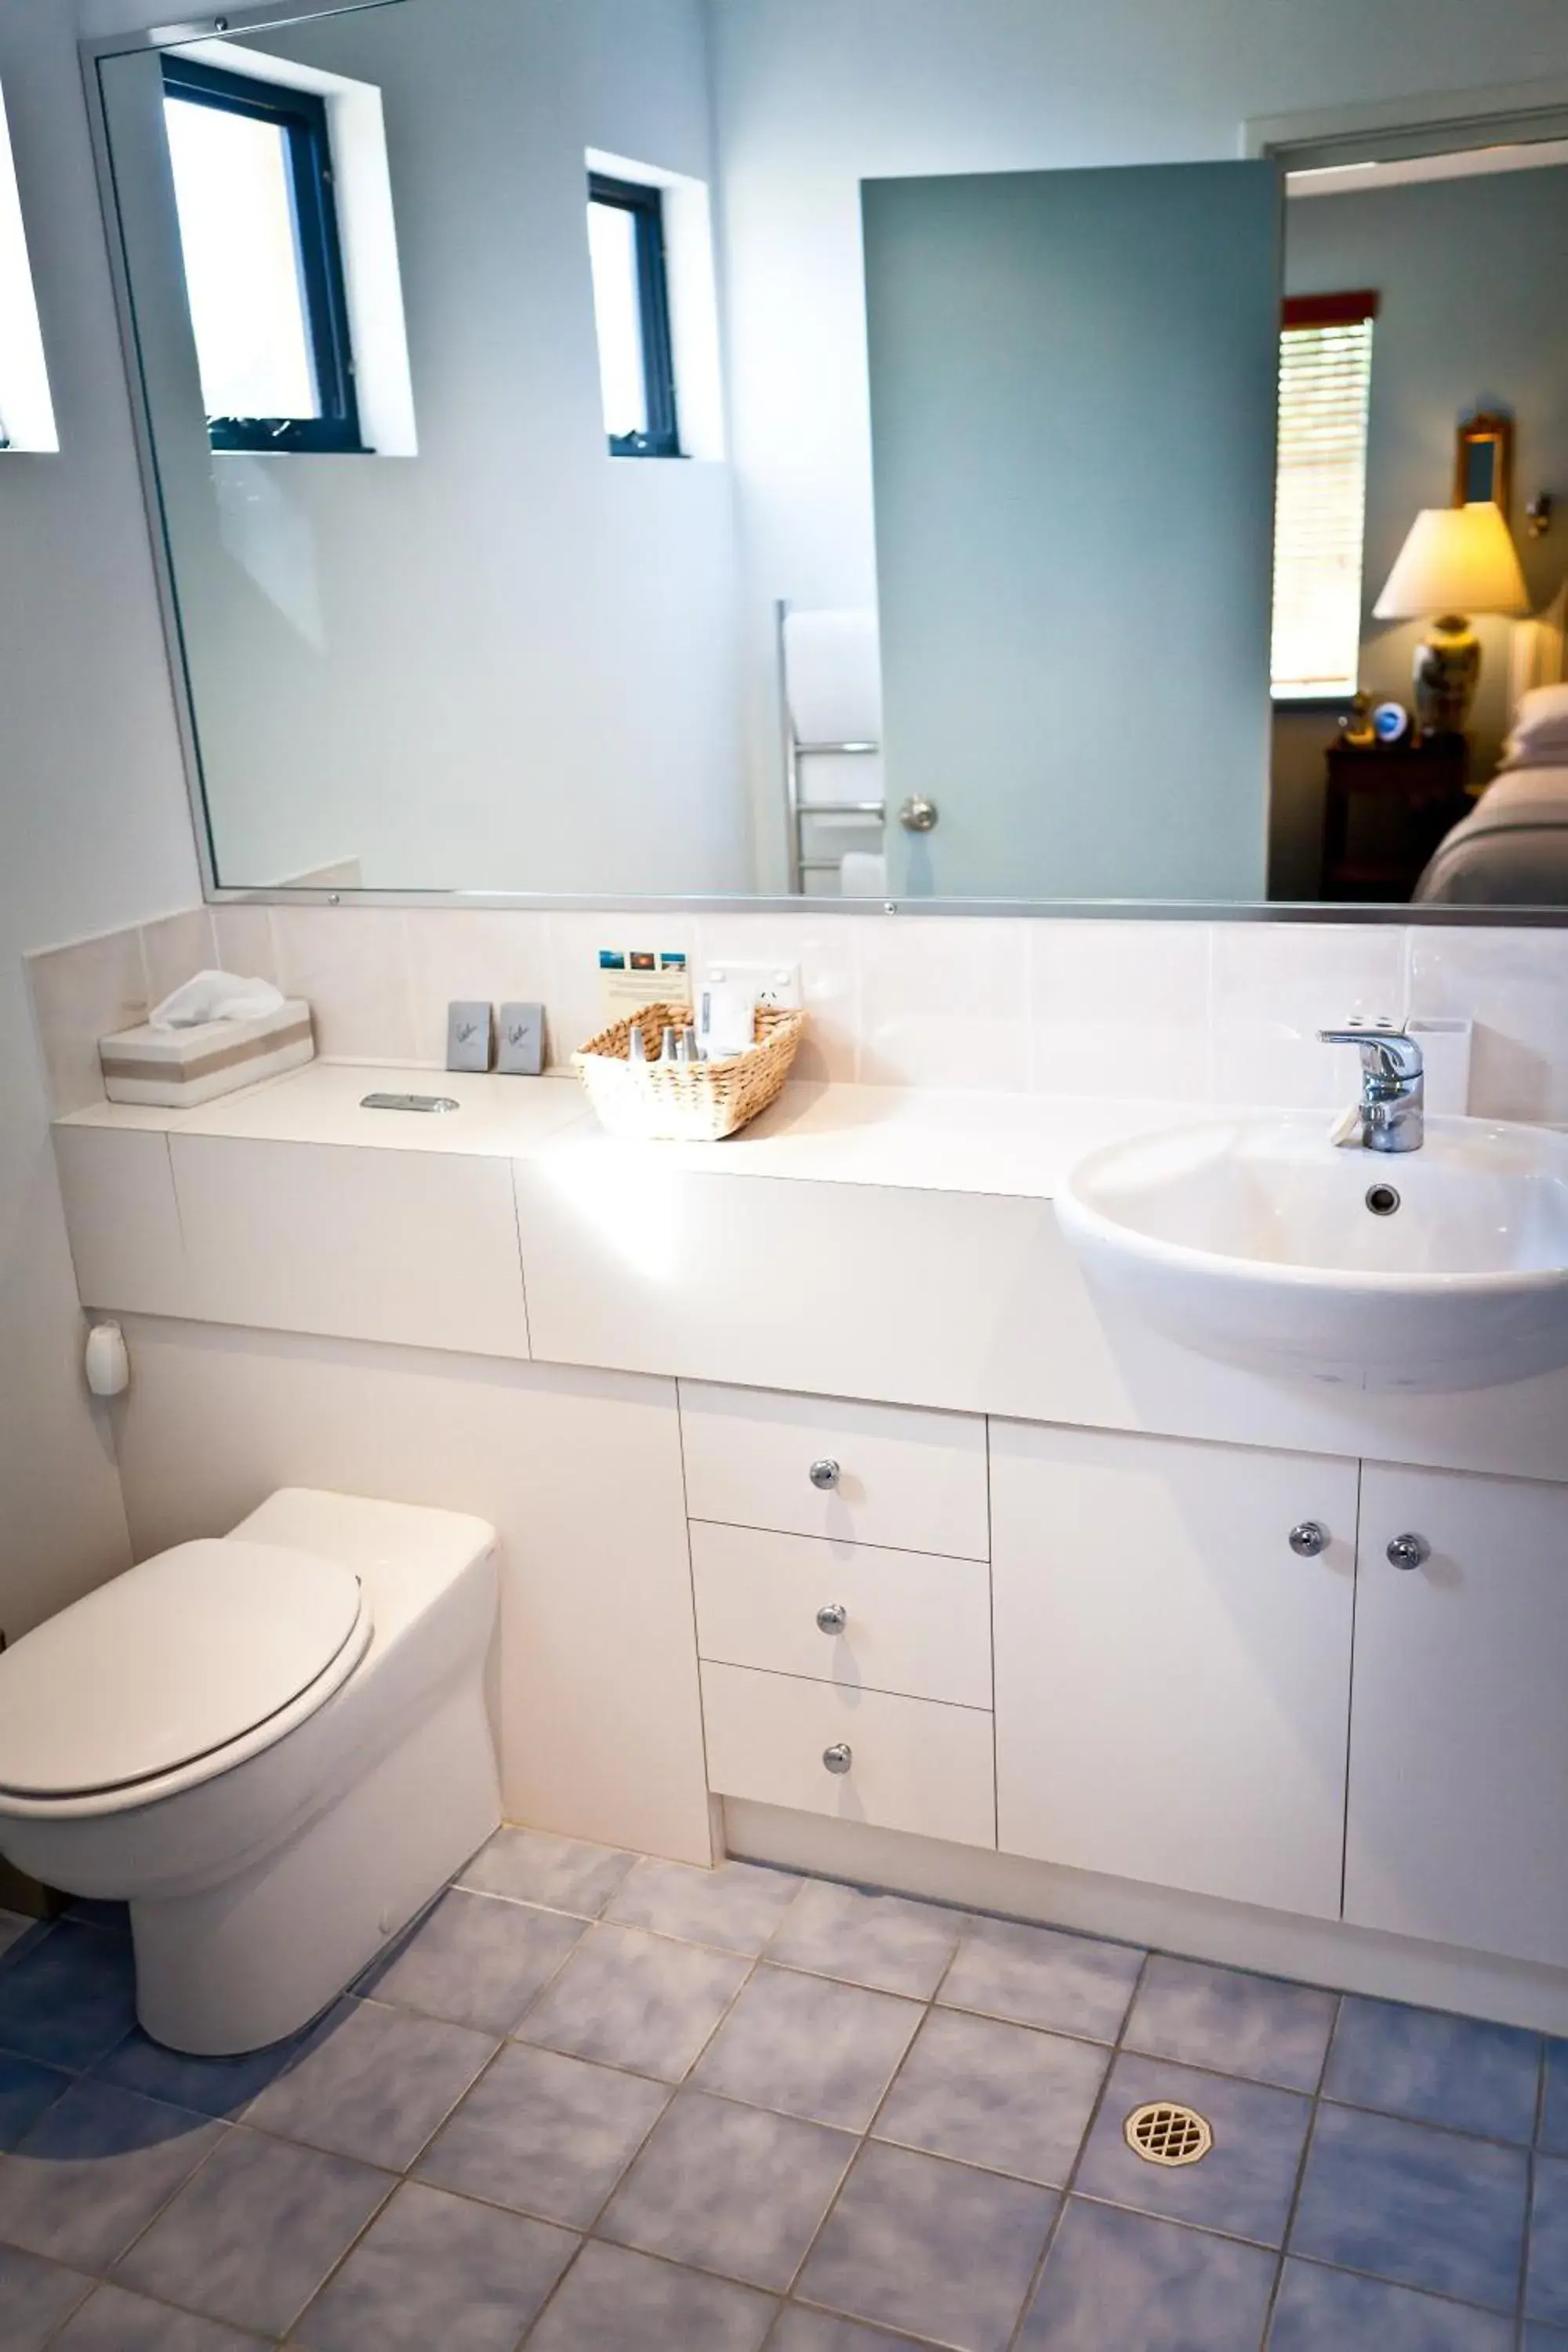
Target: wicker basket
(684, 1102)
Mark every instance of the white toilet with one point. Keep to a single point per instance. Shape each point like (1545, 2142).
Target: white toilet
(275, 1745)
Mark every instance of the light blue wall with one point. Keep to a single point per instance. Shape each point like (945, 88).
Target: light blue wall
(1073, 390)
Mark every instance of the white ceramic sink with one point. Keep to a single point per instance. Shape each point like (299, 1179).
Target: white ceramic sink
(1258, 1241)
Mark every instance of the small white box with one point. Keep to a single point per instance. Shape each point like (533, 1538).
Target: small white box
(177, 1068)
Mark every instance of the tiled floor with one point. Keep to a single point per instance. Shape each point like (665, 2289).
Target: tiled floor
(600, 2105)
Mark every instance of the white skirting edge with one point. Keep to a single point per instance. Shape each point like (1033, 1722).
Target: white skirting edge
(1198, 1926)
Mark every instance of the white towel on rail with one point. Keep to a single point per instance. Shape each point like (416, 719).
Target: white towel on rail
(833, 677)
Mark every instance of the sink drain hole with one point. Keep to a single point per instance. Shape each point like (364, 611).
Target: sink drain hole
(1162, 2132)
(1382, 1200)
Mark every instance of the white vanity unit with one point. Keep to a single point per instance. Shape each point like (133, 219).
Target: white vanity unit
(828, 1488)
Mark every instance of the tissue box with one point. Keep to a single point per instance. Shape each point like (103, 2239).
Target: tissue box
(177, 1068)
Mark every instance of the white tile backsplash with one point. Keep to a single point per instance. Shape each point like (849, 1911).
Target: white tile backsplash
(1189, 1012)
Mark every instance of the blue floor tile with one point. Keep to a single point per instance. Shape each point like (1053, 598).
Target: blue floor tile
(93, 2172)
(1423, 2208)
(1241, 2024)
(1546, 2291)
(1554, 2098)
(1243, 2186)
(1458, 2071)
(34, 2297)
(1330, 2311)
(1122, 2281)
(25, 2090)
(69, 1997)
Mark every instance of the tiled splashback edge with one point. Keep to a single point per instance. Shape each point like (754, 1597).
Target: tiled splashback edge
(1189, 1012)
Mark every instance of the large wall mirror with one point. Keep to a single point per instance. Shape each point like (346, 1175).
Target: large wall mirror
(577, 473)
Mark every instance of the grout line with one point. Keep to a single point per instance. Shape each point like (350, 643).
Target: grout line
(1033, 2289)
(1308, 2136)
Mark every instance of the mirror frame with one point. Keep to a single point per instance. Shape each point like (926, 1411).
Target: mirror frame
(1348, 134)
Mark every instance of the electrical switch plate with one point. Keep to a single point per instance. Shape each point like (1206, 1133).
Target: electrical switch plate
(468, 1043)
(776, 985)
(520, 1051)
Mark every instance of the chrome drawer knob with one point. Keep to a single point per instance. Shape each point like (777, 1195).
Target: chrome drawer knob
(823, 1474)
(1409, 1551)
(837, 1757)
(832, 1617)
(1308, 1539)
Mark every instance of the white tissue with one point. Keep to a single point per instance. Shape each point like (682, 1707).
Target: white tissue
(215, 996)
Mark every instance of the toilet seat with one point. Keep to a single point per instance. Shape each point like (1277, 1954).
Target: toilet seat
(173, 1672)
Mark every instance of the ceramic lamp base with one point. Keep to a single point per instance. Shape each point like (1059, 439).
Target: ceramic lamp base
(1447, 664)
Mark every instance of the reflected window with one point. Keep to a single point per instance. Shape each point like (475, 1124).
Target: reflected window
(1319, 515)
(631, 312)
(258, 237)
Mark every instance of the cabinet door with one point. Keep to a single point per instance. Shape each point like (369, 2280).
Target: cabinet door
(1459, 1773)
(1173, 1680)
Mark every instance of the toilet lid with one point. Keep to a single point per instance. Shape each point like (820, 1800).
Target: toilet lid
(164, 1663)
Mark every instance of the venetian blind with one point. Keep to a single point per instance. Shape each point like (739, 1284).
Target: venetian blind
(1325, 377)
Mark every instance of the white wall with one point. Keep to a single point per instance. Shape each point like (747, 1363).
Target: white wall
(815, 95)
(93, 827)
(506, 662)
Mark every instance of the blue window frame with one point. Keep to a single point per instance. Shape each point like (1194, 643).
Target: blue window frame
(631, 295)
(278, 187)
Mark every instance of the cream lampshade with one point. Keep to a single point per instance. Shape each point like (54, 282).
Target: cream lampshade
(1455, 561)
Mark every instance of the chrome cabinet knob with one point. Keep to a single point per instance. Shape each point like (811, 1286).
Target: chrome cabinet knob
(1308, 1538)
(832, 1617)
(837, 1757)
(1409, 1551)
(823, 1474)
(918, 815)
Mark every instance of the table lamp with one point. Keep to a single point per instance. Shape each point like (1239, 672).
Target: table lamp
(1457, 561)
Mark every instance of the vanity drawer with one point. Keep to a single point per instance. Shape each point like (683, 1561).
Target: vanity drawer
(886, 1475)
(913, 1764)
(913, 1623)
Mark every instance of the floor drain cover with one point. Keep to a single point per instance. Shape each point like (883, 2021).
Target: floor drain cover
(1162, 2133)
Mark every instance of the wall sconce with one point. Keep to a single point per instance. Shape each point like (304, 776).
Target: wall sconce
(1538, 514)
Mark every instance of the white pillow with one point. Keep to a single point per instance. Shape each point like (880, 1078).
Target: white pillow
(1540, 736)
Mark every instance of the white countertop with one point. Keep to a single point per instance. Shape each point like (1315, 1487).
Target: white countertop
(922, 1139)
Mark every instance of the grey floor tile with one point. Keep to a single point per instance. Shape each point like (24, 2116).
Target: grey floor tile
(1537, 2338)
(1458, 2071)
(214, 2086)
(809, 2047)
(800, 2330)
(372, 2082)
(1118, 2281)
(1035, 1976)
(25, 2090)
(545, 2135)
(615, 2301)
(1422, 2208)
(68, 1997)
(627, 1999)
(880, 1940)
(736, 1906)
(34, 2297)
(1554, 2098)
(532, 1866)
(438, 2270)
(1243, 2186)
(94, 2169)
(252, 2235)
(475, 1959)
(114, 2321)
(917, 2243)
(1236, 2023)
(1546, 2290)
(1330, 2311)
(1005, 2096)
(729, 2188)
